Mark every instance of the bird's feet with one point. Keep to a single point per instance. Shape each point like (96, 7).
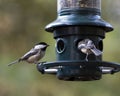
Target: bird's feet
(86, 58)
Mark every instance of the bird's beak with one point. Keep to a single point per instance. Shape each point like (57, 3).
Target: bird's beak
(48, 45)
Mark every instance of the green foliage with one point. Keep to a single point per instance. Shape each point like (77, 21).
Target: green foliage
(22, 25)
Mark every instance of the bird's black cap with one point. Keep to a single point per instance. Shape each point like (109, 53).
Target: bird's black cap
(43, 43)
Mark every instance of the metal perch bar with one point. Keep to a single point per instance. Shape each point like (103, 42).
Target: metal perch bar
(50, 71)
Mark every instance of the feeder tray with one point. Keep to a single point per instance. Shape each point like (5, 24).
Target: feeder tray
(79, 70)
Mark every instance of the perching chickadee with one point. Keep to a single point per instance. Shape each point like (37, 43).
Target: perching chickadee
(88, 47)
(34, 55)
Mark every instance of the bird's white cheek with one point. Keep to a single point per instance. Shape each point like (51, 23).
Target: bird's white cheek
(39, 46)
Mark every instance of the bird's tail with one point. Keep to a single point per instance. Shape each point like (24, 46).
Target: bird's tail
(96, 51)
(14, 62)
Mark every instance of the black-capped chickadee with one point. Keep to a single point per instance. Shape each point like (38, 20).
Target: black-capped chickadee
(34, 55)
(88, 47)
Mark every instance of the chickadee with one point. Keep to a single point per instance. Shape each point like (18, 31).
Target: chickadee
(88, 47)
(34, 55)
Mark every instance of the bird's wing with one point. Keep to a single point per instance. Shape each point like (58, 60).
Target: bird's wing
(30, 53)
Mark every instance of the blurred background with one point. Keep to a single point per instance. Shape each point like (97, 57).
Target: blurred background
(22, 24)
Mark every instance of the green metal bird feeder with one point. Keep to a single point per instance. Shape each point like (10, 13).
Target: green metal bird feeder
(76, 21)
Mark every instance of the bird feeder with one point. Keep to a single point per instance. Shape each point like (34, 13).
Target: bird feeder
(78, 20)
